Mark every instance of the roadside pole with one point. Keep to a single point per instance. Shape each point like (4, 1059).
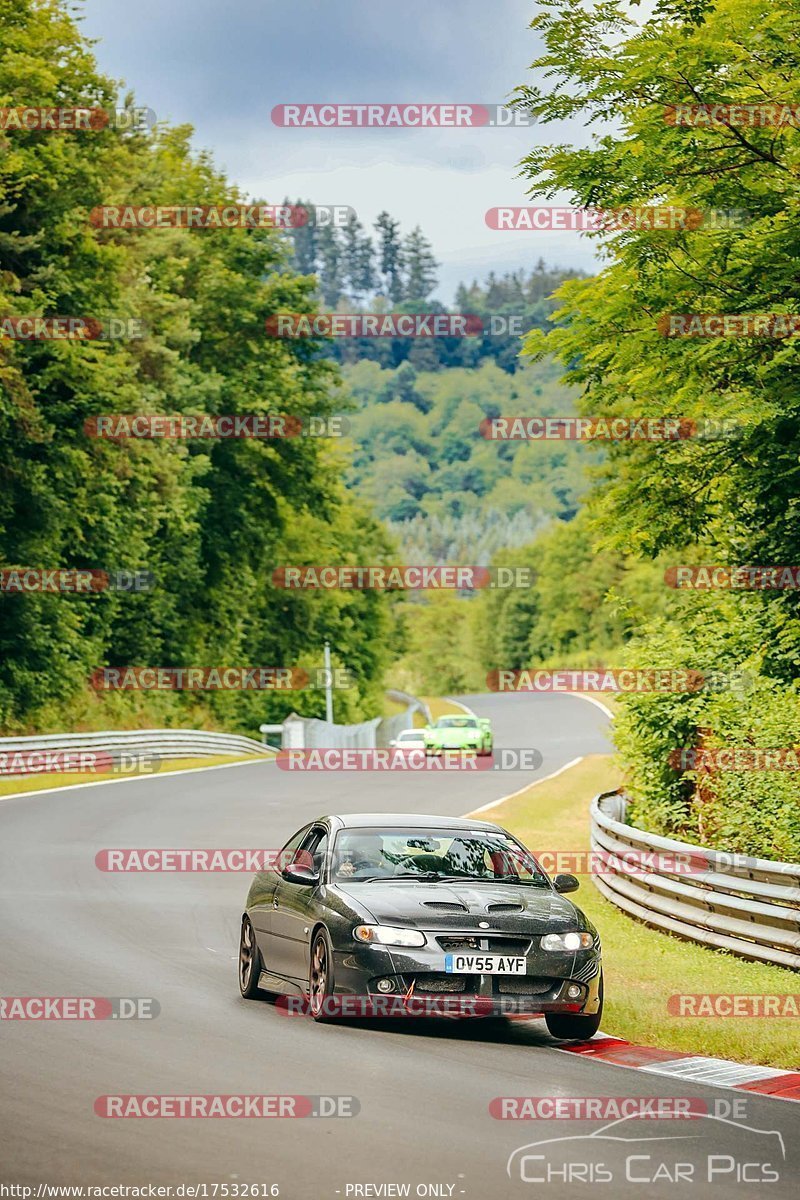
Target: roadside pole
(328, 685)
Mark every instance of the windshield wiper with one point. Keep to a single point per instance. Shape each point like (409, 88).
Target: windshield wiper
(437, 877)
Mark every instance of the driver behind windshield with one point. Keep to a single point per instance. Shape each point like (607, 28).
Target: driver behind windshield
(361, 856)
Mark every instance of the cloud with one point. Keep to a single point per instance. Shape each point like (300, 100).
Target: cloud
(223, 70)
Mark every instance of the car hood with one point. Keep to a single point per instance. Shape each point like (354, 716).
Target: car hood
(456, 734)
(443, 906)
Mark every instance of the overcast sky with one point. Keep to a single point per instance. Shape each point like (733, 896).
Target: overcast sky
(223, 68)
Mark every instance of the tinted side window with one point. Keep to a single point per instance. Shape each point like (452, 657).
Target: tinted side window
(289, 852)
(313, 849)
(319, 852)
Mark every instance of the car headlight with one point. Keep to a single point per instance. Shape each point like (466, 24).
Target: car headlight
(388, 935)
(567, 941)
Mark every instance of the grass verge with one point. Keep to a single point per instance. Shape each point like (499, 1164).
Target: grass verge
(17, 785)
(643, 967)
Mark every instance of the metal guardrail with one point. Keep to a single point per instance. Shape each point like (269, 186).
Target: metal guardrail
(165, 743)
(749, 906)
(310, 733)
(411, 702)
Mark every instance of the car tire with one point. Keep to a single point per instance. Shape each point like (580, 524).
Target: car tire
(250, 964)
(575, 1026)
(320, 976)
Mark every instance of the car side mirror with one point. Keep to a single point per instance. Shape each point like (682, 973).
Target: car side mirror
(299, 873)
(566, 883)
(393, 742)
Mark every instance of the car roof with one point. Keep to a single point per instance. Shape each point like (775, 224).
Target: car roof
(391, 820)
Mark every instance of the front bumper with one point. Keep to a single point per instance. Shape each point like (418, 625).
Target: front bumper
(453, 748)
(418, 979)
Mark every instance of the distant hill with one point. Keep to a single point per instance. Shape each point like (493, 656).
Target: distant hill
(446, 492)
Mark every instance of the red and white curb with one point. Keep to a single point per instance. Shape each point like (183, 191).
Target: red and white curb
(691, 1068)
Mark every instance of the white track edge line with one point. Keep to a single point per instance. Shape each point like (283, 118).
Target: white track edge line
(593, 700)
(493, 803)
(71, 787)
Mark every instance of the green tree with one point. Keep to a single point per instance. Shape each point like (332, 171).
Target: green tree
(421, 266)
(731, 499)
(357, 258)
(210, 519)
(390, 257)
(331, 266)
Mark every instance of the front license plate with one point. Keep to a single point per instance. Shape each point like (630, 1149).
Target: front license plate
(485, 964)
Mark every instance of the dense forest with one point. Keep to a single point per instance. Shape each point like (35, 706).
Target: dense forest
(209, 520)
(446, 492)
(602, 595)
(355, 272)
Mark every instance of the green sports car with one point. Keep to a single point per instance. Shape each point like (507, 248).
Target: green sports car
(459, 733)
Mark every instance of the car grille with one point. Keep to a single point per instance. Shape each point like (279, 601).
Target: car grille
(441, 983)
(508, 945)
(459, 943)
(523, 985)
(488, 943)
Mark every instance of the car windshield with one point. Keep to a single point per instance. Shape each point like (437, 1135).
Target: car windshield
(411, 735)
(455, 723)
(435, 855)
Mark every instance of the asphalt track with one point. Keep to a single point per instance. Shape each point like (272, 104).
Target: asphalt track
(424, 1088)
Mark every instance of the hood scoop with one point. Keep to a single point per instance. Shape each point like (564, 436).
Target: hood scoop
(507, 907)
(445, 905)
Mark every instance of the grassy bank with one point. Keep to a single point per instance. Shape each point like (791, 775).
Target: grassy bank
(643, 967)
(17, 784)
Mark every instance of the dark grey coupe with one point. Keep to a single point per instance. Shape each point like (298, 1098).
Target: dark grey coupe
(391, 910)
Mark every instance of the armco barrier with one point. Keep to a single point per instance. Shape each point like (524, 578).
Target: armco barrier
(411, 703)
(309, 733)
(749, 906)
(166, 743)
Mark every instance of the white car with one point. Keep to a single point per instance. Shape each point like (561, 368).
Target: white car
(409, 739)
